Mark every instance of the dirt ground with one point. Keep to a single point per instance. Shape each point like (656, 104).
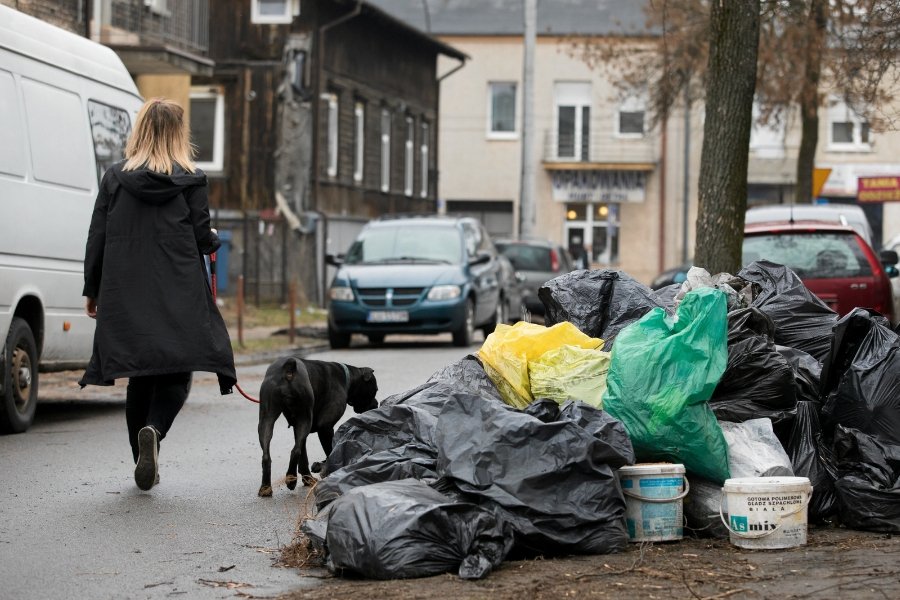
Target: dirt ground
(836, 563)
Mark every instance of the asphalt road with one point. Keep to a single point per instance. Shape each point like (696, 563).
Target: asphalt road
(74, 525)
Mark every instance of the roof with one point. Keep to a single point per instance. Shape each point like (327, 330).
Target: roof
(506, 17)
(53, 45)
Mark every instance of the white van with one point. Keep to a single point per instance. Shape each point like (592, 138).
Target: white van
(66, 109)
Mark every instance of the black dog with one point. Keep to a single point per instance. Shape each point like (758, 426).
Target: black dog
(312, 395)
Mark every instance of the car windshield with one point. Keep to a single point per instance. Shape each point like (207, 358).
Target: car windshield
(815, 255)
(527, 258)
(410, 244)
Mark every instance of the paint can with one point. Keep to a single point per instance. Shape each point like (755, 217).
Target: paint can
(767, 512)
(653, 507)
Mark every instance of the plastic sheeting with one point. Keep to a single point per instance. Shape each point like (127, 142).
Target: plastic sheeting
(801, 319)
(402, 529)
(663, 372)
(869, 483)
(811, 458)
(600, 302)
(570, 372)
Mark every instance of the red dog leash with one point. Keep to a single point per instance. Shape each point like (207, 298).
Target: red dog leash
(212, 283)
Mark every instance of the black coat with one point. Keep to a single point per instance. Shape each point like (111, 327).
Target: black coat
(144, 266)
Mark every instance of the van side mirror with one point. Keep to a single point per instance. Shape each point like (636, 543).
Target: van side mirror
(482, 257)
(334, 261)
(888, 257)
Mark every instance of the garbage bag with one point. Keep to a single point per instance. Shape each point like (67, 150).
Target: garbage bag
(811, 458)
(468, 375)
(861, 377)
(554, 482)
(801, 319)
(701, 508)
(739, 293)
(600, 302)
(570, 372)
(868, 486)
(754, 451)
(507, 352)
(403, 529)
(807, 372)
(758, 381)
(663, 372)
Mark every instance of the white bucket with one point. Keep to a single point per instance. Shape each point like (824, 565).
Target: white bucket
(767, 512)
(653, 494)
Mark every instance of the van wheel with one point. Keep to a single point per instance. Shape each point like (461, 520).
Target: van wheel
(19, 379)
(466, 332)
(338, 339)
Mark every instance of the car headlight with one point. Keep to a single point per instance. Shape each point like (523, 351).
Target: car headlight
(341, 293)
(444, 292)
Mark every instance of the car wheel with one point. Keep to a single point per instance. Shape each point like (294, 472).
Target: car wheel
(19, 378)
(466, 332)
(376, 338)
(338, 339)
(499, 317)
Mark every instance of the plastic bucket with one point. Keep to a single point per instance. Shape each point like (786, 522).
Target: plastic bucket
(766, 512)
(653, 495)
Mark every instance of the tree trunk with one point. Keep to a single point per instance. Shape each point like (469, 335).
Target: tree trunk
(809, 101)
(731, 81)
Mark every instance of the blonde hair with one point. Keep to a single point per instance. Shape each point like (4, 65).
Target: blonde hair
(160, 139)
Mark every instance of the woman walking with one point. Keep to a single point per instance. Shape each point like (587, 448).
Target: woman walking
(145, 282)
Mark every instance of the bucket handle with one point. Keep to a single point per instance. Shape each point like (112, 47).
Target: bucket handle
(687, 488)
(762, 534)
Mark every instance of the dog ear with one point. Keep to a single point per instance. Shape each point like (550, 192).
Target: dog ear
(368, 374)
(289, 370)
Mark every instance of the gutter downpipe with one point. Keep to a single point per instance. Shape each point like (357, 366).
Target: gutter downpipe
(661, 257)
(437, 177)
(321, 246)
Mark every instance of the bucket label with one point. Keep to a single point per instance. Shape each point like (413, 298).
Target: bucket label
(674, 482)
(739, 524)
(776, 504)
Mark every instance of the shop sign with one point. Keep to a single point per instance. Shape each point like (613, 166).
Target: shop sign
(599, 186)
(878, 189)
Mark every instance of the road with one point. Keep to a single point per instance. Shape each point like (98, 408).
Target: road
(74, 525)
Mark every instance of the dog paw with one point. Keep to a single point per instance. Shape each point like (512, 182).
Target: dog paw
(309, 480)
(265, 491)
(291, 481)
(316, 467)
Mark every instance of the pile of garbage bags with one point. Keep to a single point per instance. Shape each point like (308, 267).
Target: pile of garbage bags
(513, 452)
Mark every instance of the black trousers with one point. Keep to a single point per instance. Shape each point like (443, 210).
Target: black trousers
(154, 400)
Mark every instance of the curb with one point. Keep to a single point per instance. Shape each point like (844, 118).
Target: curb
(267, 357)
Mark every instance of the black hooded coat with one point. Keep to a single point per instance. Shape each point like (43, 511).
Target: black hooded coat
(144, 266)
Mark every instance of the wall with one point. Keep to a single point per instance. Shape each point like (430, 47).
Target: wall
(68, 14)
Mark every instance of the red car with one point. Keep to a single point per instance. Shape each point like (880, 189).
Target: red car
(834, 262)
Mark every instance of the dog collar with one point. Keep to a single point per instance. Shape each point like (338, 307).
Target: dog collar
(346, 375)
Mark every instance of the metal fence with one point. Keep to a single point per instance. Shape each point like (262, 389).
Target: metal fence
(182, 24)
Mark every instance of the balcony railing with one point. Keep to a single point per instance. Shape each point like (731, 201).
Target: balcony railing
(599, 148)
(182, 24)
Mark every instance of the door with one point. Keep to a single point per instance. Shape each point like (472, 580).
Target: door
(573, 120)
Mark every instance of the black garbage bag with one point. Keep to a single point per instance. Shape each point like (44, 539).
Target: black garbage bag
(758, 381)
(801, 319)
(807, 372)
(868, 485)
(403, 529)
(468, 375)
(861, 377)
(554, 482)
(600, 303)
(812, 458)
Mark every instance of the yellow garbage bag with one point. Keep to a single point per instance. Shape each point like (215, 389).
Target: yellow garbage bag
(570, 372)
(506, 353)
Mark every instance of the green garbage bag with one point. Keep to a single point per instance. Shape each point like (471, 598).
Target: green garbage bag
(570, 372)
(664, 370)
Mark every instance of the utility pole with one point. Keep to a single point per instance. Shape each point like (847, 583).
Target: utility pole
(526, 191)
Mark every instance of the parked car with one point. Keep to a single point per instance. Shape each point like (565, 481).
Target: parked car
(833, 261)
(418, 274)
(536, 261)
(845, 214)
(893, 244)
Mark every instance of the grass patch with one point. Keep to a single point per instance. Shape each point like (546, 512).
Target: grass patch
(271, 315)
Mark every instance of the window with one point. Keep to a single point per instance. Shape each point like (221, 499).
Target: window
(385, 150)
(332, 140)
(110, 127)
(298, 72)
(12, 150)
(409, 157)
(208, 128)
(359, 141)
(502, 110)
(630, 122)
(423, 160)
(573, 120)
(847, 131)
(273, 11)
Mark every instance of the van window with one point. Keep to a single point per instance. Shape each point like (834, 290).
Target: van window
(57, 132)
(110, 127)
(12, 150)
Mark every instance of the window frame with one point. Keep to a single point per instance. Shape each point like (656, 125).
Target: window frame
(493, 134)
(386, 119)
(839, 112)
(217, 164)
(423, 157)
(409, 157)
(629, 105)
(291, 9)
(359, 141)
(332, 134)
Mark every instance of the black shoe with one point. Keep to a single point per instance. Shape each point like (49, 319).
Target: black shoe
(146, 471)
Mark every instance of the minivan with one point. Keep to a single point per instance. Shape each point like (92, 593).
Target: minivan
(66, 109)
